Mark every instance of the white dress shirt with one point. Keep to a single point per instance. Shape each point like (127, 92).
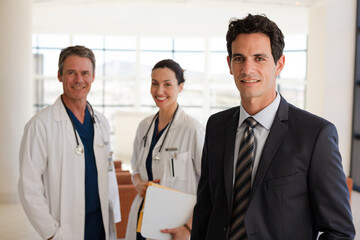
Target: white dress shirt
(265, 119)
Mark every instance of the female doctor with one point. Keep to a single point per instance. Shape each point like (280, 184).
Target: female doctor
(169, 135)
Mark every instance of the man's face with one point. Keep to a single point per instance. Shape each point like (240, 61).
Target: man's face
(254, 69)
(77, 76)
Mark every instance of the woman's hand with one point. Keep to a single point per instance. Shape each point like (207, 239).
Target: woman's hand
(180, 233)
(141, 186)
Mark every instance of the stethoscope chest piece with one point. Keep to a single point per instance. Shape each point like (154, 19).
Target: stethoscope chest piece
(79, 150)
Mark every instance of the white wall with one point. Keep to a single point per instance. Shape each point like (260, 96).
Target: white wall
(331, 61)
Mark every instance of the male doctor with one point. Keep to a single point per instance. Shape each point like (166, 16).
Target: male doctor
(67, 183)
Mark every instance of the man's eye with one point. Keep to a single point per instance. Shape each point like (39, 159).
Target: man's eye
(238, 59)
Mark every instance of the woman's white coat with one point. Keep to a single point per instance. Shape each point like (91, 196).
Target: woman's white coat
(186, 135)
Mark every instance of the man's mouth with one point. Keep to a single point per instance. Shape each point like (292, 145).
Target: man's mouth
(250, 81)
(78, 87)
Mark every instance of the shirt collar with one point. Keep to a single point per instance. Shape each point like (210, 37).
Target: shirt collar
(265, 117)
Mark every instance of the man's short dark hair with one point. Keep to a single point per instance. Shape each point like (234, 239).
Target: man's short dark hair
(256, 24)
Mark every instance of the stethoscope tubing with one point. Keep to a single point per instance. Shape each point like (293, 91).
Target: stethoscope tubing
(167, 130)
(78, 148)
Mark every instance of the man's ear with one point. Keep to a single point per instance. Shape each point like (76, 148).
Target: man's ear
(59, 76)
(280, 65)
(229, 64)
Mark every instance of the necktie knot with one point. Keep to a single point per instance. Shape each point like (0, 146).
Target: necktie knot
(251, 122)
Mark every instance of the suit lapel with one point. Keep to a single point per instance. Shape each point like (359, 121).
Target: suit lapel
(230, 135)
(274, 140)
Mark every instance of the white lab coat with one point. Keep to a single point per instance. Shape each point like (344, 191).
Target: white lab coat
(52, 176)
(187, 136)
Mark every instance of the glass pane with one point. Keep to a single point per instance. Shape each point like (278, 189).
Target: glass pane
(218, 66)
(296, 42)
(53, 41)
(120, 42)
(191, 97)
(295, 65)
(48, 62)
(119, 63)
(145, 95)
(99, 68)
(89, 41)
(217, 44)
(224, 95)
(189, 44)
(294, 94)
(151, 43)
(52, 90)
(192, 63)
(119, 92)
(95, 95)
(149, 59)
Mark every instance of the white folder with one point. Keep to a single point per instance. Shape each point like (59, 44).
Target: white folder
(165, 208)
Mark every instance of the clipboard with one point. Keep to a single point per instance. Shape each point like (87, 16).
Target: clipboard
(164, 208)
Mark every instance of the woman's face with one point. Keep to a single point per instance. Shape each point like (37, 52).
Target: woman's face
(165, 88)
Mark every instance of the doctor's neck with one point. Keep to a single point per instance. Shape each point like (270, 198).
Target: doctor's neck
(166, 114)
(76, 106)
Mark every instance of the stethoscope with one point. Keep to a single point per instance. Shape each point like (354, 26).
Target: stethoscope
(157, 157)
(79, 150)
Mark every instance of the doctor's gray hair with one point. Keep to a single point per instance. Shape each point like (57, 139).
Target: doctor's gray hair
(77, 50)
(173, 66)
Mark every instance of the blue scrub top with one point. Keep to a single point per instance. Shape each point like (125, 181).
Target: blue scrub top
(154, 140)
(94, 227)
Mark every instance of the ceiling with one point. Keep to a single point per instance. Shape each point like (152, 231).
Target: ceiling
(163, 17)
(301, 3)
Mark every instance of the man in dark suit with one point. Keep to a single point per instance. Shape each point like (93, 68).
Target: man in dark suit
(296, 184)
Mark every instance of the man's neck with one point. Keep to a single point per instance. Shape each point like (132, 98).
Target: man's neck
(254, 105)
(77, 107)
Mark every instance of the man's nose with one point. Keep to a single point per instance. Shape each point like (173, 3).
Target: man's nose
(248, 67)
(78, 77)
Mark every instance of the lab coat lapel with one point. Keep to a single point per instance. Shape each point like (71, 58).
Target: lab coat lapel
(274, 140)
(230, 137)
(60, 114)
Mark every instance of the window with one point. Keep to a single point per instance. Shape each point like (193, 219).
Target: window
(123, 69)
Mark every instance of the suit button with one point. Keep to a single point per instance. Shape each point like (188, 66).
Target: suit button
(225, 229)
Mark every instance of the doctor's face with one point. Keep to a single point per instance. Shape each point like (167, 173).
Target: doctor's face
(165, 88)
(77, 76)
(254, 69)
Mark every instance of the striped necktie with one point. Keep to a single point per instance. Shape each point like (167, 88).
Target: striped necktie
(242, 185)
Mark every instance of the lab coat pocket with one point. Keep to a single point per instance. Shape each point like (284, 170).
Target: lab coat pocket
(178, 166)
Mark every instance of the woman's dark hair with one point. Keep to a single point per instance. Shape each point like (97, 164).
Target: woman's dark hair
(256, 24)
(174, 66)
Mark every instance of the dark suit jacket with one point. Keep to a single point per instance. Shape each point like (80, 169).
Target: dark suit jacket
(299, 189)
